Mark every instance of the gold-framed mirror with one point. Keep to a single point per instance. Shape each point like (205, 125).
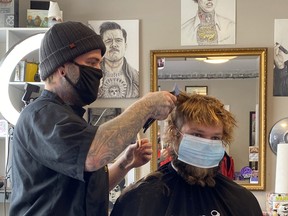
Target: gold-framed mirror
(240, 83)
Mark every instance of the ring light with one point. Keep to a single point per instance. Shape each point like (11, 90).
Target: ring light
(9, 62)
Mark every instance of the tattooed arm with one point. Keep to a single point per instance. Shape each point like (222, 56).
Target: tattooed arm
(115, 135)
(133, 157)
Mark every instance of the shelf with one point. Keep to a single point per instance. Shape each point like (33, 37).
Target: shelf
(2, 36)
(8, 190)
(2, 195)
(20, 85)
(16, 90)
(13, 91)
(26, 32)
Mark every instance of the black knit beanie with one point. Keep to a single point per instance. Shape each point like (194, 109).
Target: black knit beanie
(64, 42)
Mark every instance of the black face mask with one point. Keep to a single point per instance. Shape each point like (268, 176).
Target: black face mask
(88, 83)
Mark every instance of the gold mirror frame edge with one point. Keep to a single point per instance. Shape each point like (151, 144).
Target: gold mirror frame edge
(257, 51)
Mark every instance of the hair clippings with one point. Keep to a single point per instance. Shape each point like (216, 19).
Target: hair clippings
(149, 122)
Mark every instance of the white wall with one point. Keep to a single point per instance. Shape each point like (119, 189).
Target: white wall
(160, 29)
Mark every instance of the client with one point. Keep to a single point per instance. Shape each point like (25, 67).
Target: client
(198, 130)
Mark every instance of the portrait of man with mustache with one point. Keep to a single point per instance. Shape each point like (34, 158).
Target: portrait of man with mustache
(120, 79)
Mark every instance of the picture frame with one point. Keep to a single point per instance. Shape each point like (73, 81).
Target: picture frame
(202, 90)
(3, 127)
(97, 116)
(130, 178)
(280, 75)
(113, 86)
(192, 36)
(252, 128)
(40, 5)
(9, 13)
(37, 18)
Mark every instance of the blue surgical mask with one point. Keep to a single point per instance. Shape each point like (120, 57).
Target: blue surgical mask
(200, 152)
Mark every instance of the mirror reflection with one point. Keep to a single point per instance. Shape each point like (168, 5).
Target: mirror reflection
(235, 76)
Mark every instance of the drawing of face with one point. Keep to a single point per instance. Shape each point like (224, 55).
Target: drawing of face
(114, 91)
(115, 45)
(114, 194)
(207, 5)
(114, 88)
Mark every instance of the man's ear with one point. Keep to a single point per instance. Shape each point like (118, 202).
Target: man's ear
(61, 70)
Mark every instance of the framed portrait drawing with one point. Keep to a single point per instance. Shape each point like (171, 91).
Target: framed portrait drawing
(252, 128)
(280, 72)
(215, 27)
(37, 18)
(97, 116)
(120, 64)
(202, 90)
(9, 13)
(117, 190)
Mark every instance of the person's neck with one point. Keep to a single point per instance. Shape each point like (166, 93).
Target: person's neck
(114, 66)
(206, 17)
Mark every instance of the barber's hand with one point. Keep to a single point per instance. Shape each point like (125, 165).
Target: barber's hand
(137, 155)
(278, 57)
(160, 103)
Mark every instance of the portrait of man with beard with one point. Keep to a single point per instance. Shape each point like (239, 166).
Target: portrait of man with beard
(191, 184)
(120, 71)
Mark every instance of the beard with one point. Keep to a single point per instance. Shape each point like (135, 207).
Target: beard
(195, 175)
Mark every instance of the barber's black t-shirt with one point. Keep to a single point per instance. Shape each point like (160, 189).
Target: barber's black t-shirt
(151, 197)
(50, 144)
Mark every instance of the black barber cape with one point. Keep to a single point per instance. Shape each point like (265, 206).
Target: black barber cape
(150, 198)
